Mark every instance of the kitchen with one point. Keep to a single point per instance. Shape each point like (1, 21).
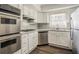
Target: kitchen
(38, 28)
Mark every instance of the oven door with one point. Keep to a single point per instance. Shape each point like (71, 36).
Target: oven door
(10, 44)
(9, 25)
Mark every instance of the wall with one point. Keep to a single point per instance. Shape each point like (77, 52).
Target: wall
(66, 11)
(33, 6)
(43, 25)
(46, 7)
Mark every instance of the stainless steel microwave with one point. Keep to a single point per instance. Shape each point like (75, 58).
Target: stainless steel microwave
(10, 44)
(9, 24)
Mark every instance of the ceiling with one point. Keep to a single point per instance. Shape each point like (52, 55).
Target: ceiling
(46, 7)
(55, 6)
(33, 6)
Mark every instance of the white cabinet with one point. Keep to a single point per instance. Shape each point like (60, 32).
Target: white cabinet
(33, 40)
(30, 12)
(64, 39)
(26, 11)
(35, 37)
(24, 41)
(29, 41)
(59, 38)
(42, 17)
(35, 15)
(16, 5)
(52, 37)
(39, 17)
(45, 17)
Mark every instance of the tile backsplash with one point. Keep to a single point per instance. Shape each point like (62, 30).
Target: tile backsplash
(43, 26)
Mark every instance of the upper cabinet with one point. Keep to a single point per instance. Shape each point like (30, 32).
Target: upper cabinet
(16, 5)
(45, 17)
(39, 17)
(26, 11)
(42, 17)
(29, 12)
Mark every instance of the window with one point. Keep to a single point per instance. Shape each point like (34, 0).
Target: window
(58, 21)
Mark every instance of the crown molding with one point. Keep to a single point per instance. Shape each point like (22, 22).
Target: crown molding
(60, 8)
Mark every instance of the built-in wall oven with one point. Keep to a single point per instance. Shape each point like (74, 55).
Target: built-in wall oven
(10, 44)
(9, 29)
(9, 24)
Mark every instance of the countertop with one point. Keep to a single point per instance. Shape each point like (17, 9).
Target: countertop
(41, 30)
(27, 30)
(62, 30)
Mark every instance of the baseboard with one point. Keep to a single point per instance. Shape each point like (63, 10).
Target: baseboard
(43, 45)
(59, 46)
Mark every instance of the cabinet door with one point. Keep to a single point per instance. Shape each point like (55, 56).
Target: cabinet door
(35, 15)
(59, 38)
(40, 17)
(24, 39)
(64, 39)
(26, 11)
(52, 37)
(16, 5)
(30, 41)
(36, 38)
(32, 13)
(33, 40)
(45, 17)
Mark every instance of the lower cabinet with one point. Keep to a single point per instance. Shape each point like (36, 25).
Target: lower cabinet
(29, 41)
(24, 43)
(61, 38)
(33, 40)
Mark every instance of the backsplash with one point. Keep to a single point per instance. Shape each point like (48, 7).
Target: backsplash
(43, 26)
(25, 25)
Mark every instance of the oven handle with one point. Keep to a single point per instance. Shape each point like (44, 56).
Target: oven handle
(8, 43)
(9, 37)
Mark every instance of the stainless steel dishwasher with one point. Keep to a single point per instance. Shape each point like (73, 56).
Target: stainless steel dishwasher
(43, 38)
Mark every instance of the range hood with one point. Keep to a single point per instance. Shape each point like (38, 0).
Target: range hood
(29, 19)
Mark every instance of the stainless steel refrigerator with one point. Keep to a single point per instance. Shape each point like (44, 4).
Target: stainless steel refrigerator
(75, 30)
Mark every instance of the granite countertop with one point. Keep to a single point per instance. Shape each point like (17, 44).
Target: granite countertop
(39, 30)
(65, 30)
(27, 30)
